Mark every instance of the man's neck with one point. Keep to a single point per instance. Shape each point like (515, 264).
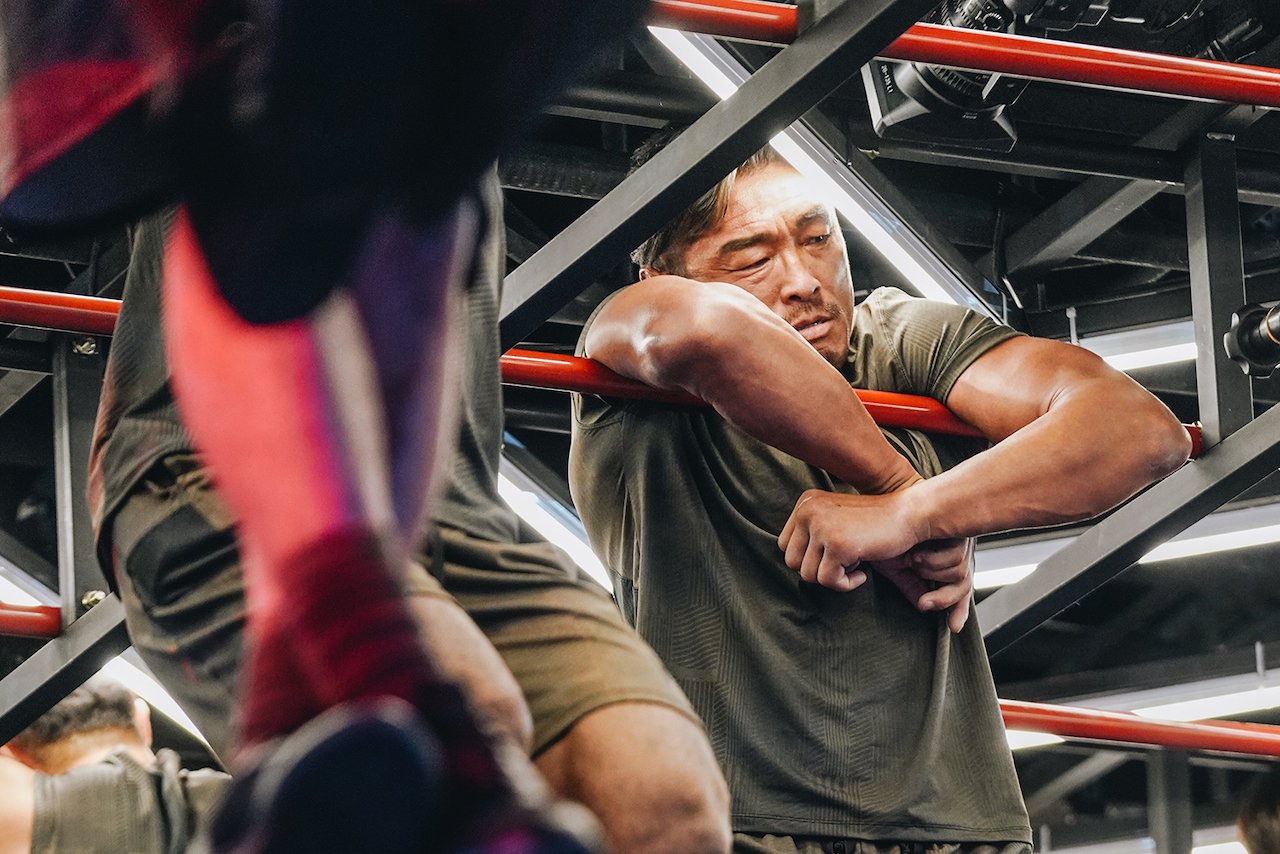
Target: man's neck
(89, 748)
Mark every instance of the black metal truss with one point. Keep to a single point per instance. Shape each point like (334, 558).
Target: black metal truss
(28, 357)
(642, 100)
(61, 665)
(77, 385)
(1114, 544)
(1216, 258)
(788, 85)
(1095, 206)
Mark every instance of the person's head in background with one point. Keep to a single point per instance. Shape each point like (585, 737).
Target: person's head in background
(1259, 819)
(92, 721)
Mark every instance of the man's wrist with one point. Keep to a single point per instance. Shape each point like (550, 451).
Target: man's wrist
(899, 477)
(914, 506)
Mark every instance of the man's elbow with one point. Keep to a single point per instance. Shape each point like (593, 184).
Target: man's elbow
(686, 348)
(1160, 444)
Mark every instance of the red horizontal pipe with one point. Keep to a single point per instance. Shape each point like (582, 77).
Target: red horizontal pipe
(571, 373)
(1072, 722)
(97, 316)
(1021, 56)
(60, 312)
(30, 621)
(750, 20)
(1065, 62)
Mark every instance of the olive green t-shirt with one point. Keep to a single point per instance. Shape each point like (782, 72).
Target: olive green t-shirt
(832, 714)
(122, 806)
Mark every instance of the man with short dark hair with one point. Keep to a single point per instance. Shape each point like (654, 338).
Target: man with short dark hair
(763, 545)
(83, 778)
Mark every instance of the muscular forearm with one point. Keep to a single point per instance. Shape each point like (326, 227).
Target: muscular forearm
(760, 374)
(1094, 448)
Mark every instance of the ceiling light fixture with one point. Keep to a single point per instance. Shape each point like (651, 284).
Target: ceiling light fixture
(1132, 349)
(1218, 532)
(1200, 700)
(551, 519)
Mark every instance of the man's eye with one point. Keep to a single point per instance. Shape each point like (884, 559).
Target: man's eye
(751, 265)
(820, 238)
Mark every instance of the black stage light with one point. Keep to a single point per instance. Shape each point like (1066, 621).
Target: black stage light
(929, 103)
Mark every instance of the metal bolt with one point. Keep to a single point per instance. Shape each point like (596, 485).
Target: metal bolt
(85, 347)
(91, 598)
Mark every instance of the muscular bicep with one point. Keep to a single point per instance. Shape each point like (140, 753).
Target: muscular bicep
(617, 335)
(671, 332)
(1016, 382)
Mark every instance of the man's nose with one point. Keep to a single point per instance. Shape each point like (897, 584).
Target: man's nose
(797, 281)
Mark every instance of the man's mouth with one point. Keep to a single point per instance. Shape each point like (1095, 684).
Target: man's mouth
(813, 329)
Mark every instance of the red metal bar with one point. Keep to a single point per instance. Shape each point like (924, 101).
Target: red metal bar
(60, 312)
(97, 316)
(30, 621)
(570, 373)
(1021, 56)
(1071, 722)
(750, 20)
(1111, 68)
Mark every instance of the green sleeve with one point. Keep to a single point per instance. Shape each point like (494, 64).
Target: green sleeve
(931, 343)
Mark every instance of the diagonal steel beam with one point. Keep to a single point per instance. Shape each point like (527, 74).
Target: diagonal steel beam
(1074, 779)
(14, 386)
(21, 556)
(788, 85)
(1114, 544)
(62, 664)
(1089, 210)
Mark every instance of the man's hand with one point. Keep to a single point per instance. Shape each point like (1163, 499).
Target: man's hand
(830, 534)
(937, 576)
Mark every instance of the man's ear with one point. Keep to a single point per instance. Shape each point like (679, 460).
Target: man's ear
(142, 720)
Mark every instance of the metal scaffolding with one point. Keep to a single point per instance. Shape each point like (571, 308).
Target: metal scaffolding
(1239, 449)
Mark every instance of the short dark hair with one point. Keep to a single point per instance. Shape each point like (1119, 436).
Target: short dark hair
(99, 704)
(664, 251)
(1259, 819)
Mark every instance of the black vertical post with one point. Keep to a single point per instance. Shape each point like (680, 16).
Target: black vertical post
(1169, 801)
(77, 383)
(1217, 283)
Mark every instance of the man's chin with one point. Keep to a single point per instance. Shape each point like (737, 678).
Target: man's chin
(835, 358)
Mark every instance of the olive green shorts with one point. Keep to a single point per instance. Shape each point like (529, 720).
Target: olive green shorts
(559, 632)
(178, 573)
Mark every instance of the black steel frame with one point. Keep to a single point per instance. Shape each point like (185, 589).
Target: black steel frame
(786, 87)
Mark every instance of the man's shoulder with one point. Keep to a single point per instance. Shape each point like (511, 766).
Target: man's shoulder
(890, 308)
(580, 348)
